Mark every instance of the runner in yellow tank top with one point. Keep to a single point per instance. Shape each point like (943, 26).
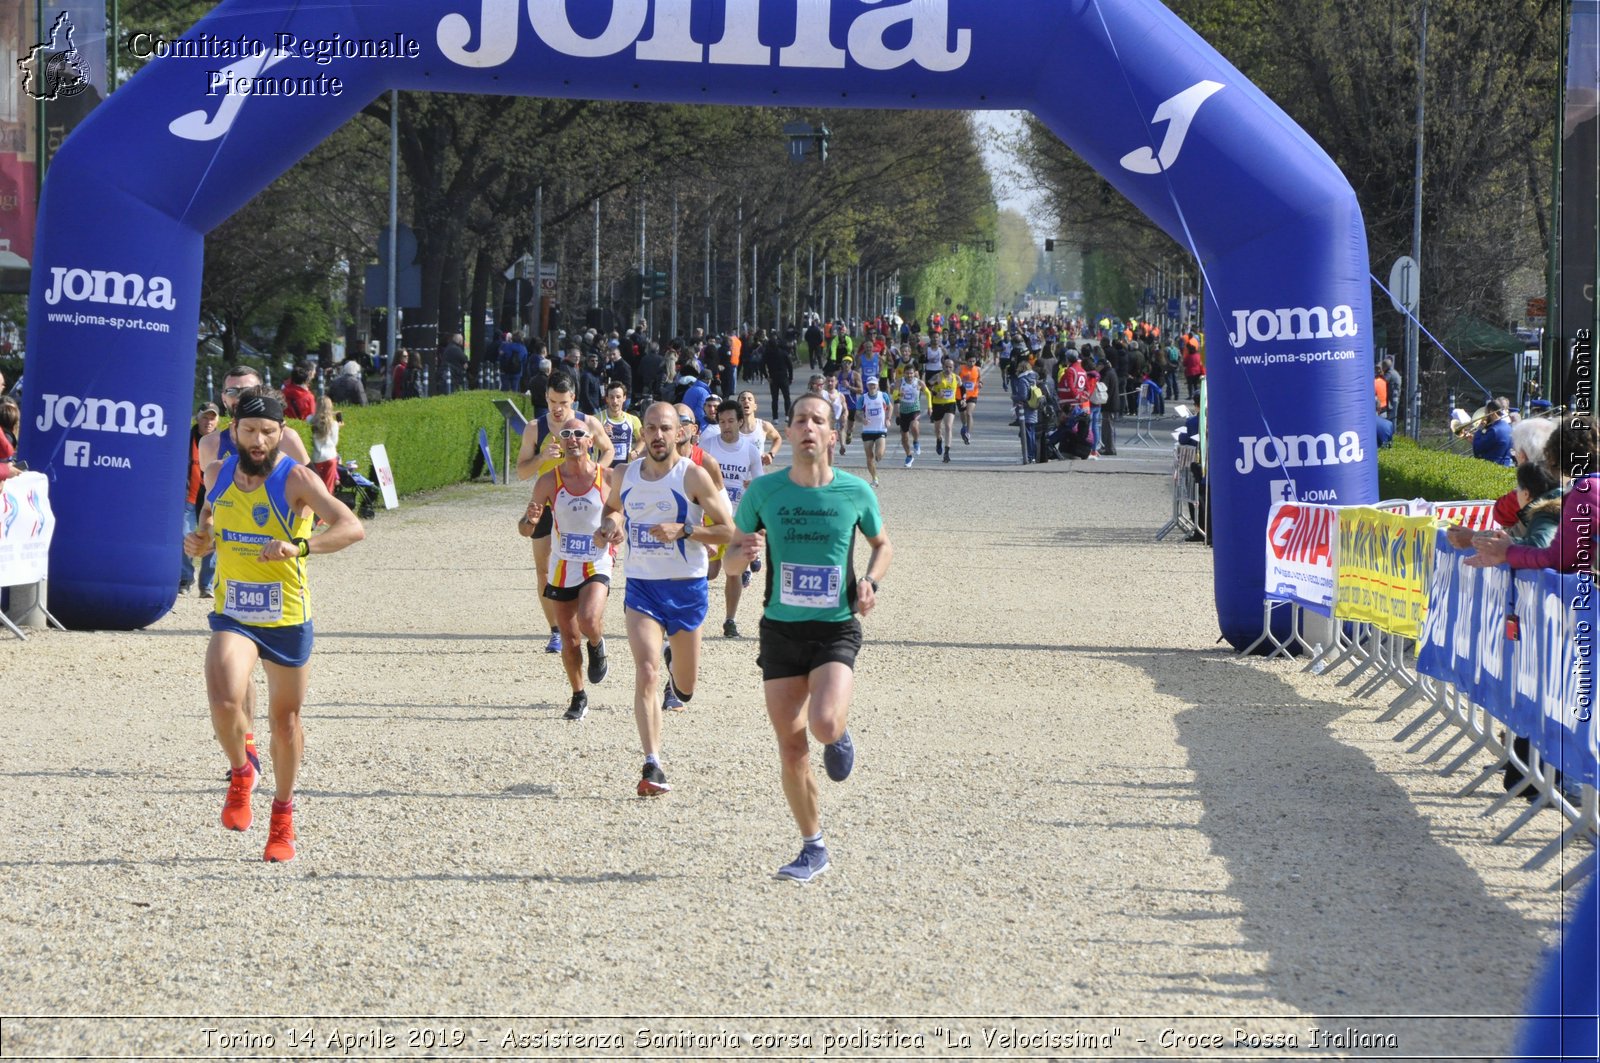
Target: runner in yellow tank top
(257, 517)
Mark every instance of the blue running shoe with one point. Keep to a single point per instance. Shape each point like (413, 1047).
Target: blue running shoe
(744, 578)
(554, 645)
(839, 758)
(909, 459)
(670, 700)
(812, 861)
(755, 565)
(916, 448)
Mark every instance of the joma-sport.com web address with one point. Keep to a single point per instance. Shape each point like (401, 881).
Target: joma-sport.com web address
(138, 324)
(1302, 357)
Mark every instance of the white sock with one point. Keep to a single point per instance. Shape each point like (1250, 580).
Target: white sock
(813, 842)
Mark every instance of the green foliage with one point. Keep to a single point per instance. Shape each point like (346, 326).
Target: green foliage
(431, 442)
(964, 278)
(1406, 470)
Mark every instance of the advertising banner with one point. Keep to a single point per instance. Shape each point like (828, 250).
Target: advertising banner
(1302, 541)
(1382, 575)
(26, 526)
(1521, 644)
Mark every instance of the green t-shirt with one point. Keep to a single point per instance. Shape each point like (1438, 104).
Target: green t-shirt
(811, 533)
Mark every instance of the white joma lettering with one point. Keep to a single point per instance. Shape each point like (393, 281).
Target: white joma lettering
(109, 286)
(1293, 452)
(664, 35)
(102, 415)
(1292, 323)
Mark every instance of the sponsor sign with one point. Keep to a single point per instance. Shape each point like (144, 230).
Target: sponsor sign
(1520, 644)
(1384, 563)
(1302, 543)
(26, 527)
(385, 475)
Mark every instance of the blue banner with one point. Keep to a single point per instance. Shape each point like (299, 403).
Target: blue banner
(1522, 645)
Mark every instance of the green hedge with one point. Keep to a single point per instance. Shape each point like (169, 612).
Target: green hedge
(1406, 470)
(431, 442)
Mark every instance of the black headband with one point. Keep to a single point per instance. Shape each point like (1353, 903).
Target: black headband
(263, 406)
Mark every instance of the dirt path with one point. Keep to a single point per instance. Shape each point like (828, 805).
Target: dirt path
(1069, 803)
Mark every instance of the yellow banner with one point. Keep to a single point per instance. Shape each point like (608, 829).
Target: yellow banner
(1384, 566)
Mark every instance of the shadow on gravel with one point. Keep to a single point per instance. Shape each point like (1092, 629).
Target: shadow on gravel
(564, 880)
(1357, 907)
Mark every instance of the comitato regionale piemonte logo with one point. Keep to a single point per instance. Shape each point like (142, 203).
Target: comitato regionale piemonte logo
(54, 69)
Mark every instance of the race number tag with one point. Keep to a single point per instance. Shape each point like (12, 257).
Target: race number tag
(254, 603)
(810, 586)
(642, 541)
(578, 545)
(734, 491)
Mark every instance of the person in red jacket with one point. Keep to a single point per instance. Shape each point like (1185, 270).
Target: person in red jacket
(297, 398)
(1194, 367)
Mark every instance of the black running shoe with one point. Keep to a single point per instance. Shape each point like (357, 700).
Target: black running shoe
(652, 783)
(598, 665)
(579, 707)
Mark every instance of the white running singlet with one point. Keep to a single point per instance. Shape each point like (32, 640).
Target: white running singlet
(875, 409)
(740, 462)
(646, 503)
(574, 557)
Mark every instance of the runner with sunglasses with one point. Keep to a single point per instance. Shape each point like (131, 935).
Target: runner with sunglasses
(579, 578)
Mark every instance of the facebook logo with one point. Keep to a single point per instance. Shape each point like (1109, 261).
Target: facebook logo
(1284, 491)
(77, 455)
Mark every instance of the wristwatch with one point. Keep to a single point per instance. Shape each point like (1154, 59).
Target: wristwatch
(688, 529)
(872, 581)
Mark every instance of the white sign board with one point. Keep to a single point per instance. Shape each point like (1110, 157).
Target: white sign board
(1302, 541)
(26, 525)
(380, 466)
(1405, 284)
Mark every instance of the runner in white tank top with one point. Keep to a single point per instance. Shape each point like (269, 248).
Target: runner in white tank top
(874, 426)
(655, 505)
(763, 432)
(579, 577)
(740, 459)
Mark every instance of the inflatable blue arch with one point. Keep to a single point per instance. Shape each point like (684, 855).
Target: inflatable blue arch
(238, 99)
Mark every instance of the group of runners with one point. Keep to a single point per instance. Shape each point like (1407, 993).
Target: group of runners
(899, 386)
(683, 510)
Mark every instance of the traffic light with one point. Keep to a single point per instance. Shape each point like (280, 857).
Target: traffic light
(633, 288)
(658, 285)
(1049, 245)
(823, 133)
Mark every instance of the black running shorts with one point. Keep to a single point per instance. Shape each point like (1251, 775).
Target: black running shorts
(791, 649)
(942, 410)
(547, 521)
(906, 420)
(570, 594)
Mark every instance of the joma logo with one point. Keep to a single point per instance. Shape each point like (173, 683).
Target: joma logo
(740, 44)
(1292, 323)
(108, 286)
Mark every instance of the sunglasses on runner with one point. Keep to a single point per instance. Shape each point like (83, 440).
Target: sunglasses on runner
(686, 420)
(232, 393)
(574, 433)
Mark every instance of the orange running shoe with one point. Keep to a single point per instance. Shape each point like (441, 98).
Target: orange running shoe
(280, 838)
(236, 809)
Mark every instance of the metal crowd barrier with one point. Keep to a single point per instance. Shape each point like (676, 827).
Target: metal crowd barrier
(1185, 494)
(1383, 659)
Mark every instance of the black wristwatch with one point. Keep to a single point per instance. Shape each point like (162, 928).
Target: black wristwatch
(688, 530)
(872, 581)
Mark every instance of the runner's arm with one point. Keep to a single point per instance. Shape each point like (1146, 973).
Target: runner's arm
(528, 453)
(713, 501)
(605, 450)
(202, 540)
(610, 531)
(774, 437)
(341, 527)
